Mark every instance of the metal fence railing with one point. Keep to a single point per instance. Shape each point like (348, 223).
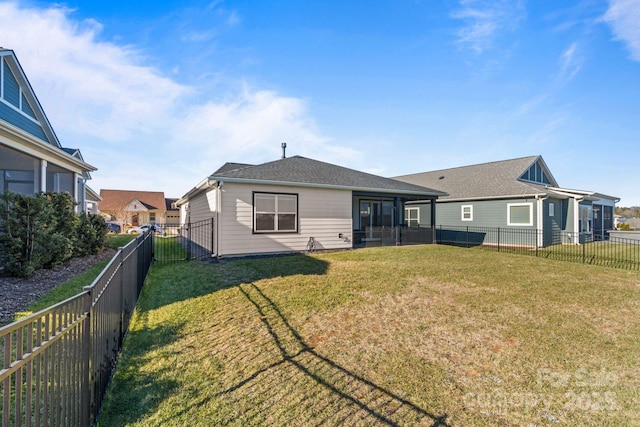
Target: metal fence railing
(584, 248)
(392, 236)
(182, 242)
(57, 362)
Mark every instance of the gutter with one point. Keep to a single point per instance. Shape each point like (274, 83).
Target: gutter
(330, 186)
(36, 147)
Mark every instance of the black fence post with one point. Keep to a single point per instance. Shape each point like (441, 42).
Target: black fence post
(498, 239)
(212, 235)
(87, 395)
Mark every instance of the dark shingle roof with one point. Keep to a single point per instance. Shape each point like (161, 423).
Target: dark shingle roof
(485, 180)
(304, 171)
(230, 166)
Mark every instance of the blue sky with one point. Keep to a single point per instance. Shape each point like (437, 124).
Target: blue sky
(159, 94)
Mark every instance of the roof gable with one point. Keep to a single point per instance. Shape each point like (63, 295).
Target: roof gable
(113, 200)
(19, 105)
(298, 170)
(484, 180)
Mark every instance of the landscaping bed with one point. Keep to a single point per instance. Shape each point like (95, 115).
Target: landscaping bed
(16, 294)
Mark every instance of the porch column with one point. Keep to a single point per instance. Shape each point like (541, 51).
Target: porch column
(43, 176)
(398, 220)
(433, 220)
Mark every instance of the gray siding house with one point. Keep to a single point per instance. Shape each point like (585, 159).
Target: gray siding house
(516, 194)
(32, 160)
(296, 204)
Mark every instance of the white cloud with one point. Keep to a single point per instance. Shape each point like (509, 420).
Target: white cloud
(624, 18)
(570, 62)
(485, 21)
(142, 129)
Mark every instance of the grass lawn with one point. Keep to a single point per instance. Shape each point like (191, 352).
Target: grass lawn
(425, 335)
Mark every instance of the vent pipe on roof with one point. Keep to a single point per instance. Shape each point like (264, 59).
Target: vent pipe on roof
(284, 149)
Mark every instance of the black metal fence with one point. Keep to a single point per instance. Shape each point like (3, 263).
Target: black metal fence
(183, 242)
(57, 362)
(585, 248)
(392, 236)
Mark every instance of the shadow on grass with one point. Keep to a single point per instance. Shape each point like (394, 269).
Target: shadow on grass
(324, 391)
(136, 391)
(356, 396)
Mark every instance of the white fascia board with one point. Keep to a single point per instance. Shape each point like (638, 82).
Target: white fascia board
(328, 186)
(474, 199)
(35, 147)
(202, 185)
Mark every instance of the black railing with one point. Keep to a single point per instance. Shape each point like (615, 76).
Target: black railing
(183, 242)
(585, 248)
(392, 236)
(58, 361)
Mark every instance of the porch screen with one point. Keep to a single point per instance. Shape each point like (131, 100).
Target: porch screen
(275, 212)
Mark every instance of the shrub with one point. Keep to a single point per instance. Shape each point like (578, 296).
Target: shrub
(44, 231)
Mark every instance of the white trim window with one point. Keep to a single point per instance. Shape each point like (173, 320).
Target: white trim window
(275, 213)
(412, 216)
(520, 214)
(466, 213)
(552, 209)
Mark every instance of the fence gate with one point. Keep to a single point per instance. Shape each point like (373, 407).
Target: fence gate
(184, 242)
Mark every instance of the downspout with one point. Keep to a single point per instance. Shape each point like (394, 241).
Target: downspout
(218, 207)
(540, 219)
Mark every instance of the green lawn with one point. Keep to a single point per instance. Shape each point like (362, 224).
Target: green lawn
(425, 335)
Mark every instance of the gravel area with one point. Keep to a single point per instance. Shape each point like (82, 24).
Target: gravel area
(17, 293)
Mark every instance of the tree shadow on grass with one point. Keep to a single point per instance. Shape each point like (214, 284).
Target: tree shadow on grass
(347, 397)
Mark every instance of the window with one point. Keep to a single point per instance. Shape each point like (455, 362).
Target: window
(274, 212)
(467, 213)
(152, 217)
(412, 217)
(520, 214)
(552, 209)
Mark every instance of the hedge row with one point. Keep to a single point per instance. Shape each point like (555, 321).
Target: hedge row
(43, 231)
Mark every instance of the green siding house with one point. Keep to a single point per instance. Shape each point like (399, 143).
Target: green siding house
(513, 195)
(32, 160)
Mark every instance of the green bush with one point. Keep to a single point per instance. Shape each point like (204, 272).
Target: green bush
(44, 231)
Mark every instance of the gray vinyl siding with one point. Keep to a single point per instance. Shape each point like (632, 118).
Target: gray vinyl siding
(486, 213)
(552, 224)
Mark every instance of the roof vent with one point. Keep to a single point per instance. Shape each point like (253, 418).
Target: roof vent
(284, 149)
(441, 177)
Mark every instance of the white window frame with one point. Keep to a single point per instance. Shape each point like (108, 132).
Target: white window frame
(466, 209)
(276, 212)
(407, 216)
(518, 224)
(552, 209)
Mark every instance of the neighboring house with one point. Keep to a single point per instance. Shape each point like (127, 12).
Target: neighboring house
(515, 194)
(32, 160)
(173, 212)
(135, 208)
(91, 201)
(296, 203)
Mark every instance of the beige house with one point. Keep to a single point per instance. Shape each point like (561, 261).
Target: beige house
(134, 208)
(297, 204)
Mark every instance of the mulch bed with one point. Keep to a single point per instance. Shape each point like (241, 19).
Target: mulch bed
(17, 293)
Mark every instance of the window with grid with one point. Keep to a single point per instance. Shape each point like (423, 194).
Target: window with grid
(275, 212)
